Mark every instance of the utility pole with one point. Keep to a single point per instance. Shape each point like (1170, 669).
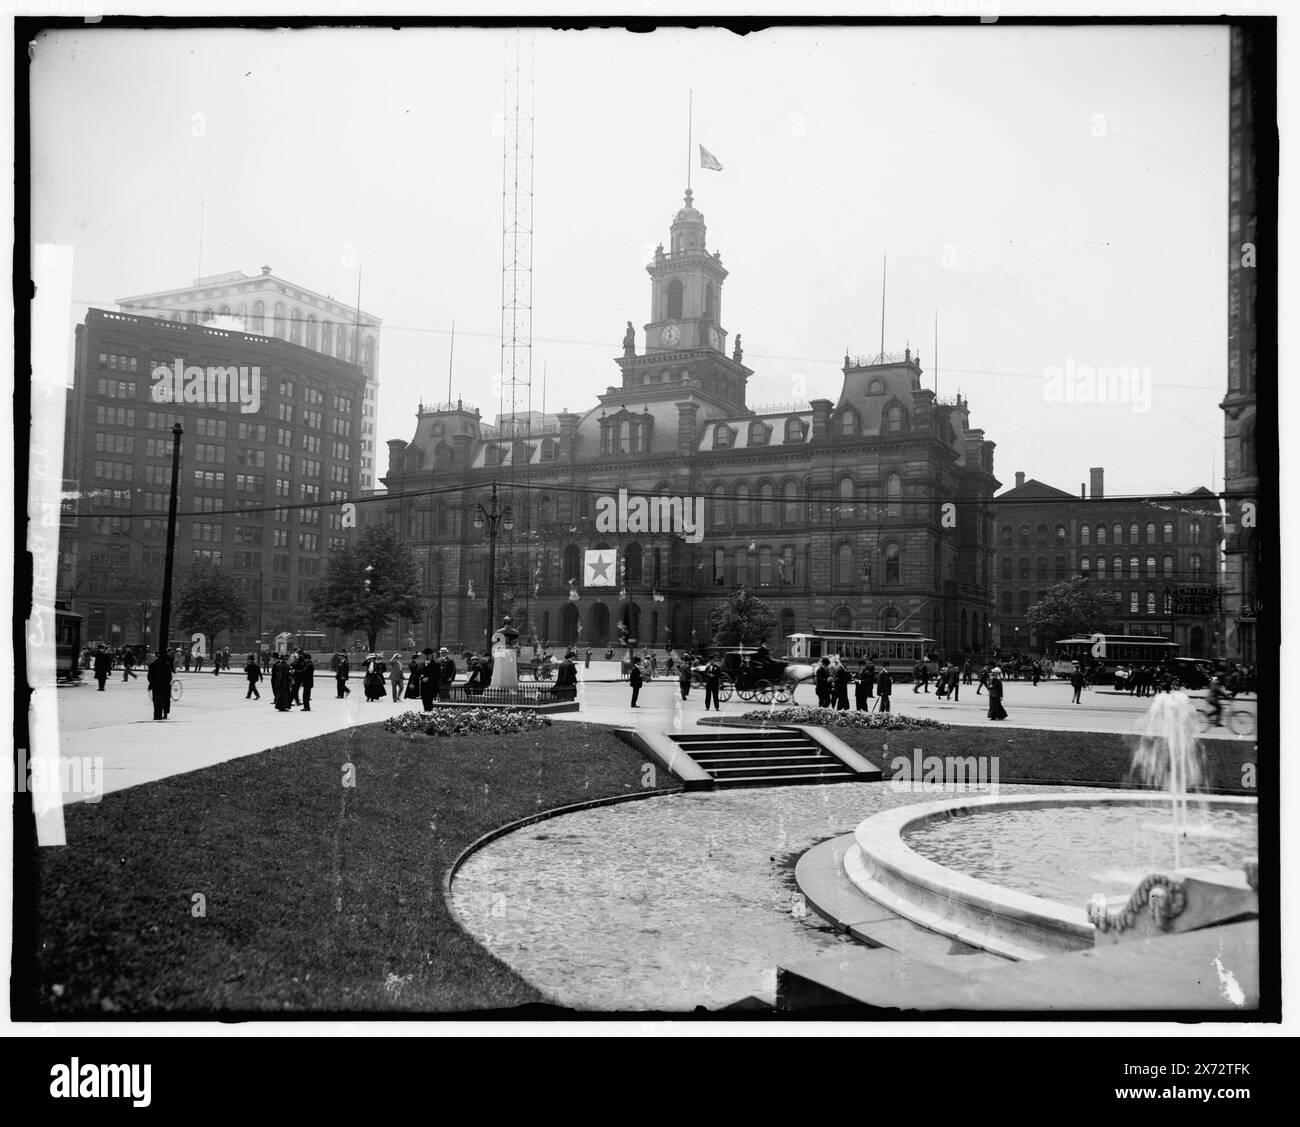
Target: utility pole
(492, 519)
(165, 615)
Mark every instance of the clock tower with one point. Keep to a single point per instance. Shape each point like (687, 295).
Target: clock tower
(684, 338)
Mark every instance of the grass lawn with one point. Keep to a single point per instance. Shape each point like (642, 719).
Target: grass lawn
(1088, 759)
(318, 898)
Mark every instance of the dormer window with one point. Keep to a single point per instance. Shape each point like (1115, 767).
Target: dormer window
(794, 430)
(721, 437)
(848, 424)
(876, 386)
(893, 419)
(757, 434)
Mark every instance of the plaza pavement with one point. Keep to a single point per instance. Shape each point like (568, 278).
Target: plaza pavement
(212, 722)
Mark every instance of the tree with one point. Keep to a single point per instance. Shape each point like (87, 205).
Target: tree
(211, 601)
(743, 620)
(142, 593)
(352, 598)
(1072, 608)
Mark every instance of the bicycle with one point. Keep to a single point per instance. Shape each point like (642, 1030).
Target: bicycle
(178, 690)
(1236, 719)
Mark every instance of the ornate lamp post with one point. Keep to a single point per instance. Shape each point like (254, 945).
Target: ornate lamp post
(493, 518)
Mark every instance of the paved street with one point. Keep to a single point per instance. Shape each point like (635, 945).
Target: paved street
(213, 722)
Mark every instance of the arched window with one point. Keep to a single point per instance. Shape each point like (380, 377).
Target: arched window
(1133, 533)
(295, 326)
(788, 566)
(790, 503)
(787, 621)
(1085, 566)
(368, 356)
(207, 314)
(1169, 603)
(673, 301)
(893, 495)
(1041, 535)
(310, 342)
(1117, 567)
(844, 565)
(1133, 567)
(1167, 567)
(1024, 535)
(1005, 535)
(718, 506)
(1060, 535)
(889, 619)
(1167, 532)
(721, 436)
(893, 419)
(1101, 567)
(1023, 568)
(1194, 531)
(1151, 532)
(793, 430)
(1117, 534)
(893, 564)
(765, 566)
(1085, 536)
(632, 557)
(572, 563)
(742, 504)
(757, 434)
(710, 302)
(1151, 567)
(1151, 602)
(848, 424)
(1133, 602)
(278, 329)
(341, 346)
(326, 337)
(719, 567)
(876, 386)
(845, 490)
(766, 504)
(842, 619)
(1196, 565)
(1004, 570)
(742, 566)
(1101, 536)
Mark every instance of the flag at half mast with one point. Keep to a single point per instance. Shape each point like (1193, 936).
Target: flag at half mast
(708, 160)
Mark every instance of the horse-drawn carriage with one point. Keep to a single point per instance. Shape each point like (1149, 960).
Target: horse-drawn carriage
(753, 675)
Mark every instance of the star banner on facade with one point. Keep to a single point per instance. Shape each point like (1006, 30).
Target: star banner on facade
(599, 567)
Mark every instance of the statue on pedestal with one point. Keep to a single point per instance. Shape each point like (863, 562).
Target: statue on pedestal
(505, 657)
(737, 353)
(629, 341)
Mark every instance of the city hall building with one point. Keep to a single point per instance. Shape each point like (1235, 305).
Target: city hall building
(868, 508)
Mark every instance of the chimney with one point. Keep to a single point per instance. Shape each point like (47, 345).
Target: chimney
(687, 428)
(1083, 492)
(396, 448)
(1020, 478)
(1096, 473)
(265, 271)
(821, 422)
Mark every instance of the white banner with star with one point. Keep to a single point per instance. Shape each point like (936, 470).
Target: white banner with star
(600, 567)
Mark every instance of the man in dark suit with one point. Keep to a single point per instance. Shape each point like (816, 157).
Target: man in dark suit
(634, 679)
(566, 678)
(159, 680)
(103, 665)
(430, 680)
(447, 670)
(884, 689)
(306, 679)
(712, 682)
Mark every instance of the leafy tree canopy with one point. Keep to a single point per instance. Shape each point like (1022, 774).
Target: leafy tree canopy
(211, 601)
(743, 620)
(1070, 608)
(346, 601)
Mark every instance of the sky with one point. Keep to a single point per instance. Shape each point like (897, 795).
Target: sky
(1055, 196)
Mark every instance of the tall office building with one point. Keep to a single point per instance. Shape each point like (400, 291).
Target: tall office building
(272, 306)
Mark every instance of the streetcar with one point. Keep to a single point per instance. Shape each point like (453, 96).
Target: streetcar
(1104, 653)
(67, 645)
(886, 649)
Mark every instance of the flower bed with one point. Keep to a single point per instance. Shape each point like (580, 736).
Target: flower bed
(838, 718)
(465, 722)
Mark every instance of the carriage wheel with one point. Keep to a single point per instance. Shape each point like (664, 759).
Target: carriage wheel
(725, 689)
(783, 693)
(764, 692)
(744, 694)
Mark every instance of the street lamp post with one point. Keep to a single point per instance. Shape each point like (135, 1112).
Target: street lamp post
(165, 615)
(493, 518)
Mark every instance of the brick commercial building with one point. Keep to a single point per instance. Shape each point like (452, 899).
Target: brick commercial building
(868, 508)
(260, 490)
(1159, 554)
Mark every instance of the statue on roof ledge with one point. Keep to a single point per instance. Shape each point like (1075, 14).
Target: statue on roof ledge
(629, 341)
(737, 352)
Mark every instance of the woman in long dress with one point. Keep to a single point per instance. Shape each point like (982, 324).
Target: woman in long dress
(996, 711)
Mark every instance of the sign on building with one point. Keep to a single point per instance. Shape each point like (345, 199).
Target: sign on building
(600, 567)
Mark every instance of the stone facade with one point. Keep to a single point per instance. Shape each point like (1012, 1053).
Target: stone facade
(868, 508)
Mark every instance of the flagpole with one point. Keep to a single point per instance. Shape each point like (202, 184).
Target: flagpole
(884, 274)
(690, 114)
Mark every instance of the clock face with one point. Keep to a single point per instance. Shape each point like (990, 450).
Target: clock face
(670, 335)
(715, 338)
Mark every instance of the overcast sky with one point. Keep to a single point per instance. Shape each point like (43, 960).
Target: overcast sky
(1059, 195)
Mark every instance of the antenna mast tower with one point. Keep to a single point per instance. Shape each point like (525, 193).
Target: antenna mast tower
(516, 301)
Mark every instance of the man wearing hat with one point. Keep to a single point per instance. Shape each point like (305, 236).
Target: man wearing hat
(447, 667)
(566, 678)
(430, 680)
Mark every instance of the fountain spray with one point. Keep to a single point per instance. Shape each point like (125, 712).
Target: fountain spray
(1169, 755)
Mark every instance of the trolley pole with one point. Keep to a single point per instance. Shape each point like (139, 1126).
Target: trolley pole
(165, 614)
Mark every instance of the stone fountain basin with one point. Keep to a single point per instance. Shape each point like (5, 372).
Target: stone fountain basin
(981, 914)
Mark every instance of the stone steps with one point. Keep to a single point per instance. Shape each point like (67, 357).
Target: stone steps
(763, 758)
